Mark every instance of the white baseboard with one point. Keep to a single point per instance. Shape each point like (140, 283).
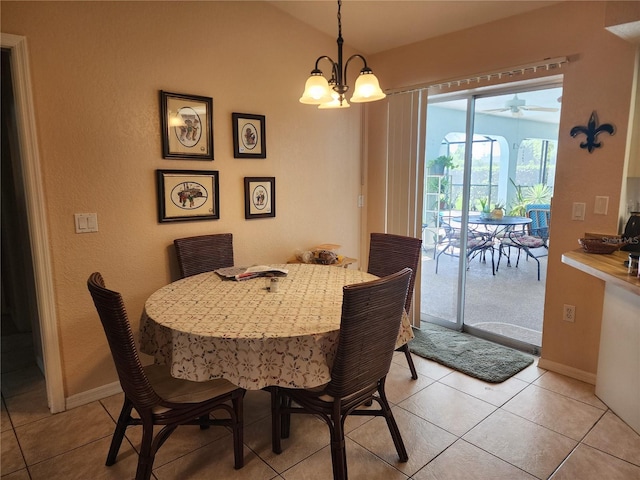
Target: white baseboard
(567, 371)
(92, 395)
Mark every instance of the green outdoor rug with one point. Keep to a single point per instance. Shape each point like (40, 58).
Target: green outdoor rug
(476, 357)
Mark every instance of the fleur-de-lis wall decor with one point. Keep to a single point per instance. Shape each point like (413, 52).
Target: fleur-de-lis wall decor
(592, 130)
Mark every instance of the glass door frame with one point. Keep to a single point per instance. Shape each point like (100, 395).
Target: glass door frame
(471, 96)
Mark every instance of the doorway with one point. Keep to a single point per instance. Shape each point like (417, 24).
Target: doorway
(498, 146)
(46, 330)
(21, 345)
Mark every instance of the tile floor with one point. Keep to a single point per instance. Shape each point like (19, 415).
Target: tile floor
(535, 425)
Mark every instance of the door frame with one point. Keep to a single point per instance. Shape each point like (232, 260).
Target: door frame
(36, 218)
(471, 96)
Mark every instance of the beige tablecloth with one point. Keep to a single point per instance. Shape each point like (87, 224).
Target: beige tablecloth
(206, 327)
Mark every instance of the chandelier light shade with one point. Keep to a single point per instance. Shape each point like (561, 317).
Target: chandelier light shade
(331, 93)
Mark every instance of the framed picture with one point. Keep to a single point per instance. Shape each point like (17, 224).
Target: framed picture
(187, 126)
(187, 195)
(249, 136)
(259, 197)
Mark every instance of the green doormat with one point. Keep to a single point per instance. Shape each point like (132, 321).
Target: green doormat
(476, 357)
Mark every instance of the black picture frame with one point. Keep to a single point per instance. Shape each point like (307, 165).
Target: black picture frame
(259, 197)
(249, 135)
(187, 126)
(186, 195)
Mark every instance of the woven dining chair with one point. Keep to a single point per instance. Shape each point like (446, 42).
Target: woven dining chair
(371, 318)
(158, 398)
(388, 254)
(204, 253)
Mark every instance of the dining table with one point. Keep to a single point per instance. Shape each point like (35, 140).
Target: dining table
(207, 326)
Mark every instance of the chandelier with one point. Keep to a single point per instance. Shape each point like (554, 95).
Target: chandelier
(331, 93)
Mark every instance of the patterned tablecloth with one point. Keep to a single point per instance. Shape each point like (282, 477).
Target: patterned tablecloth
(206, 327)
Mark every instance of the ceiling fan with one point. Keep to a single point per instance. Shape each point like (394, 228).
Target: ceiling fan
(517, 105)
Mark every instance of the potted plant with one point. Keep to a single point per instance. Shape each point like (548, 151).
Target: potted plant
(485, 211)
(534, 194)
(498, 211)
(437, 166)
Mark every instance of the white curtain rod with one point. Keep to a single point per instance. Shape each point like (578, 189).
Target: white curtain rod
(545, 64)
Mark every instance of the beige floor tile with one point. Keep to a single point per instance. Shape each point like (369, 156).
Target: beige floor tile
(554, 411)
(531, 373)
(423, 440)
(464, 461)
(308, 435)
(430, 368)
(11, 459)
(570, 387)
(399, 385)
(5, 420)
(113, 405)
(587, 463)
(64, 431)
(19, 475)
(361, 465)
(613, 436)
(448, 408)
(183, 440)
(88, 461)
(28, 407)
(215, 460)
(534, 449)
(494, 393)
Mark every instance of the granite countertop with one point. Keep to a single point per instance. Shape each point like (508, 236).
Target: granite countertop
(608, 267)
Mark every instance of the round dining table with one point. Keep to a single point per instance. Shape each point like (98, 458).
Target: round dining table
(496, 226)
(206, 326)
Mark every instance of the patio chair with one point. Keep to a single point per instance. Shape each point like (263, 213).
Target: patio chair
(204, 253)
(477, 245)
(371, 317)
(534, 241)
(158, 398)
(389, 254)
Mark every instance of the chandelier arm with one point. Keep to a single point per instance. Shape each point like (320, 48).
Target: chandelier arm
(322, 57)
(357, 55)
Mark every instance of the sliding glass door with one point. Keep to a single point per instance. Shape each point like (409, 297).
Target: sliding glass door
(487, 150)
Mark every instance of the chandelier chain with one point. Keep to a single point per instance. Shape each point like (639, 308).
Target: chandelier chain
(339, 18)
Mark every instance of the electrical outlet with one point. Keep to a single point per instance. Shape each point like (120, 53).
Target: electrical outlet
(569, 313)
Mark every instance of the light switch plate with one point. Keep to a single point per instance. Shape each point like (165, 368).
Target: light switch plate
(86, 222)
(601, 206)
(577, 213)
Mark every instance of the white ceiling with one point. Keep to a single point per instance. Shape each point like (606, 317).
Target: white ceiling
(372, 26)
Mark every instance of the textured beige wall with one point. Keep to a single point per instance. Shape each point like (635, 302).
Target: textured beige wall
(97, 69)
(598, 78)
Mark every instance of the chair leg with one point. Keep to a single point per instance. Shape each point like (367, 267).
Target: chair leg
(276, 417)
(147, 453)
(500, 249)
(118, 434)
(391, 423)
(407, 353)
(204, 422)
(238, 429)
(338, 448)
(493, 265)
